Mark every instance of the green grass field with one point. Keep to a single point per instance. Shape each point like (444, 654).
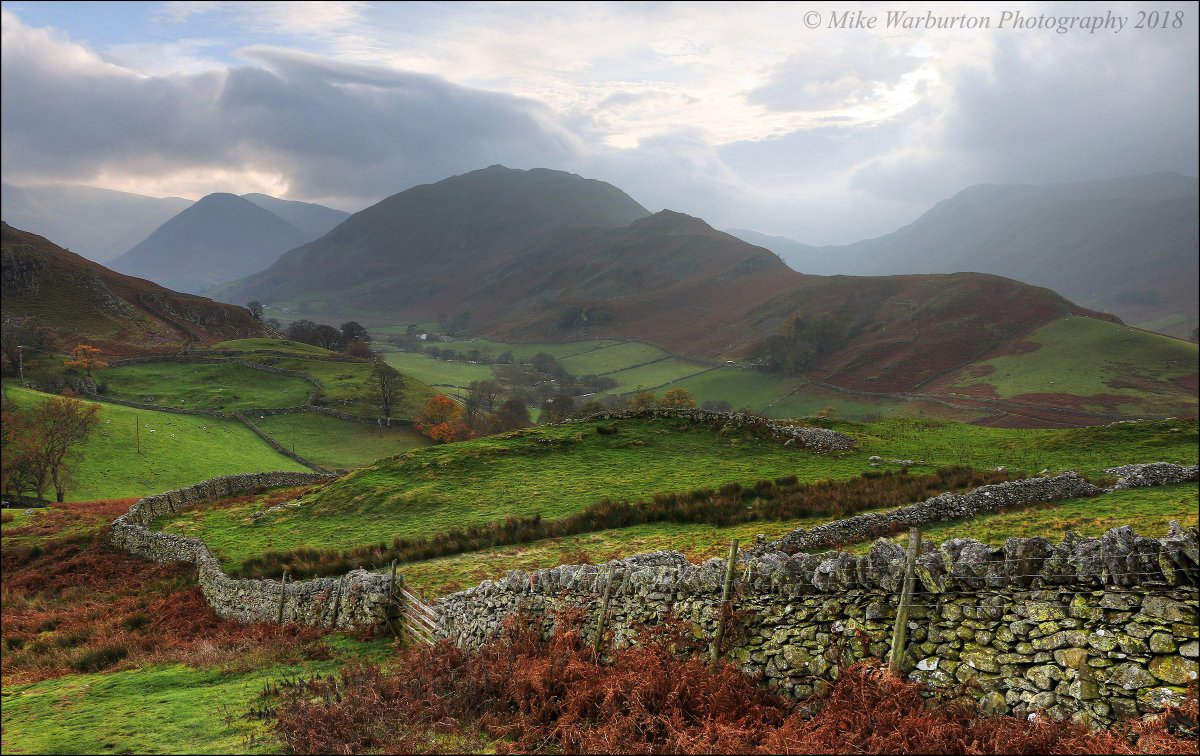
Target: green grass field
(349, 386)
(526, 352)
(611, 358)
(446, 377)
(205, 386)
(335, 443)
(169, 708)
(433, 489)
(660, 374)
(430, 490)
(176, 451)
(1077, 357)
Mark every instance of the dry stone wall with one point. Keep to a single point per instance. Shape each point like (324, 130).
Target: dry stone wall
(1094, 629)
(357, 599)
(940, 508)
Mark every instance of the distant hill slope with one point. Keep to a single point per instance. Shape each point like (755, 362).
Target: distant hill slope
(311, 218)
(83, 300)
(385, 258)
(220, 238)
(1126, 246)
(97, 223)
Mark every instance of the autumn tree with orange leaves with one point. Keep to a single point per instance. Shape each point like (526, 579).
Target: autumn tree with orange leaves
(441, 420)
(87, 357)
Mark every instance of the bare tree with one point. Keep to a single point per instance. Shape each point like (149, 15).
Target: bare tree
(389, 387)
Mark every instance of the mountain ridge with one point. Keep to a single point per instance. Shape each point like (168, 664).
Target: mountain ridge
(1125, 246)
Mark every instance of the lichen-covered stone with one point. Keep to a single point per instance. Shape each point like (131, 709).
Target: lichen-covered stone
(1130, 676)
(1173, 669)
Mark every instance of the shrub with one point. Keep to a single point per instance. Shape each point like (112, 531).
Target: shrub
(529, 695)
(99, 659)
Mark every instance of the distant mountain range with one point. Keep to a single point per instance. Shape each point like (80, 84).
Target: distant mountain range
(536, 255)
(220, 238)
(99, 224)
(193, 254)
(544, 255)
(81, 300)
(1126, 246)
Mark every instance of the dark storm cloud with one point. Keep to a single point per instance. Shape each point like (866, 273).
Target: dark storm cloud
(334, 129)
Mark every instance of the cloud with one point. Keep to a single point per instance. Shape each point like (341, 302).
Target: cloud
(322, 128)
(734, 113)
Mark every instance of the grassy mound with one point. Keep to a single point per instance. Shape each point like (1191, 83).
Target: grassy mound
(346, 384)
(1105, 366)
(205, 386)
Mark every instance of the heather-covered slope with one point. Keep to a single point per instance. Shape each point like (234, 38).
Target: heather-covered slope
(82, 300)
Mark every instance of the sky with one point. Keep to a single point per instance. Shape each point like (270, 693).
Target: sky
(826, 123)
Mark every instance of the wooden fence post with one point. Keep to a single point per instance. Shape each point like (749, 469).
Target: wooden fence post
(282, 595)
(608, 589)
(725, 591)
(397, 592)
(900, 631)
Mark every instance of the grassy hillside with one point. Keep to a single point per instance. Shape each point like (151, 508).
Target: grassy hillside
(445, 376)
(1091, 364)
(176, 451)
(271, 345)
(336, 444)
(207, 386)
(558, 470)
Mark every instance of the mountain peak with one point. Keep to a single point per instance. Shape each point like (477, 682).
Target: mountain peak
(220, 238)
(670, 221)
